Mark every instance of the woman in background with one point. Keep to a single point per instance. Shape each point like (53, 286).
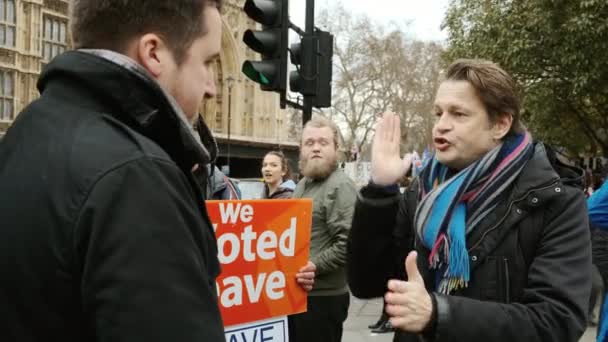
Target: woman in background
(277, 177)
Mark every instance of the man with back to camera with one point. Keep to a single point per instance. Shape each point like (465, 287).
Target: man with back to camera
(104, 233)
(493, 234)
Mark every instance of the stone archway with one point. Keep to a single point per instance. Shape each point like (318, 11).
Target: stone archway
(215, 110)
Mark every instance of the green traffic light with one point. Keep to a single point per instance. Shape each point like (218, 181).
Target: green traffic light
(250, 71)
(263, 79)
(270, 41)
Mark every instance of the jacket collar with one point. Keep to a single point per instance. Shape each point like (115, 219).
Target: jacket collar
(543, 170)
(288, 186)
(540, 183)
(113, 84)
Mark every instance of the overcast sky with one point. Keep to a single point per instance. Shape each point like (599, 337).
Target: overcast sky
(424, 16)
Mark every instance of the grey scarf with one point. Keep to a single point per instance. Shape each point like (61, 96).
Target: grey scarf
(140, 72)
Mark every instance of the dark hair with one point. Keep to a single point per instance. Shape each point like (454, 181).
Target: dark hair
(495, 87)
(111, 24)
(284, 163)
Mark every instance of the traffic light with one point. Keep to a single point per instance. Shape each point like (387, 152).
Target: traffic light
(270, 42)
(312, 57)
(325, 69)
(304, 57)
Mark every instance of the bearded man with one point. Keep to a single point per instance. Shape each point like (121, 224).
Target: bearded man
(334, 196)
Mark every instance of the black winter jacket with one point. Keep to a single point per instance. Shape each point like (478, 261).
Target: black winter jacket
(530, 259)
(103, 230)
(285, 191)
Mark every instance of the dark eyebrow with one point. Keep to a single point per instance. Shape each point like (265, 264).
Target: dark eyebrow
(457, 109)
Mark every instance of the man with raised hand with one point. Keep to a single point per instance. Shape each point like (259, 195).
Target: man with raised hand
(491, 240)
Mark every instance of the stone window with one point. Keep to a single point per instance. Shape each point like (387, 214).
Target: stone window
(54, 37)
(218, 121)
(8, 23)
(7, 94)
(244, 121)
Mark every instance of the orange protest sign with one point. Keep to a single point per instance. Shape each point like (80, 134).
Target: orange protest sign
(261, 246)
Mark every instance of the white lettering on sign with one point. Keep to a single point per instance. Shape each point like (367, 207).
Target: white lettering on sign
(275, 285)
(248, 236)
(288, 239)
(229, 213)
(231, 291)
(268, 240)
(247, 213)
(229, 244)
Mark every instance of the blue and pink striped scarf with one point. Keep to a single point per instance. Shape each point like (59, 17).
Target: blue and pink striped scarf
(453, 204)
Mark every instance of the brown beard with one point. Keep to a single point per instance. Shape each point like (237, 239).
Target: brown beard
(317, 169)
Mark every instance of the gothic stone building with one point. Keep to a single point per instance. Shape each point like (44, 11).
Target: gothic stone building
(246, 121)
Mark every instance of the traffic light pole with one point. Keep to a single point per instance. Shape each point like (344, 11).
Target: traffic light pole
(312, 55)
(310, 30)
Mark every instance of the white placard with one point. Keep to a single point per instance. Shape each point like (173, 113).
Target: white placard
(270, 330)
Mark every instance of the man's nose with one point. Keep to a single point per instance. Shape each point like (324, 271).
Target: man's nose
(443, 124)
(210, 89)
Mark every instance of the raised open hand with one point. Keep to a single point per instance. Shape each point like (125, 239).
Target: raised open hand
(387, 165)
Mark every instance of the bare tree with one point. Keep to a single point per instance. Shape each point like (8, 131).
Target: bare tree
(378, 69)
(354, 81)
(294, 117)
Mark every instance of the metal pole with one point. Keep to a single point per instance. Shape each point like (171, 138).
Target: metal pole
(229, 80)
(307, 109)
(310, 28)
(229, 122)
(310, 16)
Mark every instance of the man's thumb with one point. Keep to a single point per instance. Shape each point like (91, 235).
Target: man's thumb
(411, 267)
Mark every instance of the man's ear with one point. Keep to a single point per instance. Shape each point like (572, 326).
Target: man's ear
(502, 126)
(153, 54)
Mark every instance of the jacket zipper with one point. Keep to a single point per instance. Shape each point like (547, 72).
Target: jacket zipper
(507, 213)
(507, 281)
